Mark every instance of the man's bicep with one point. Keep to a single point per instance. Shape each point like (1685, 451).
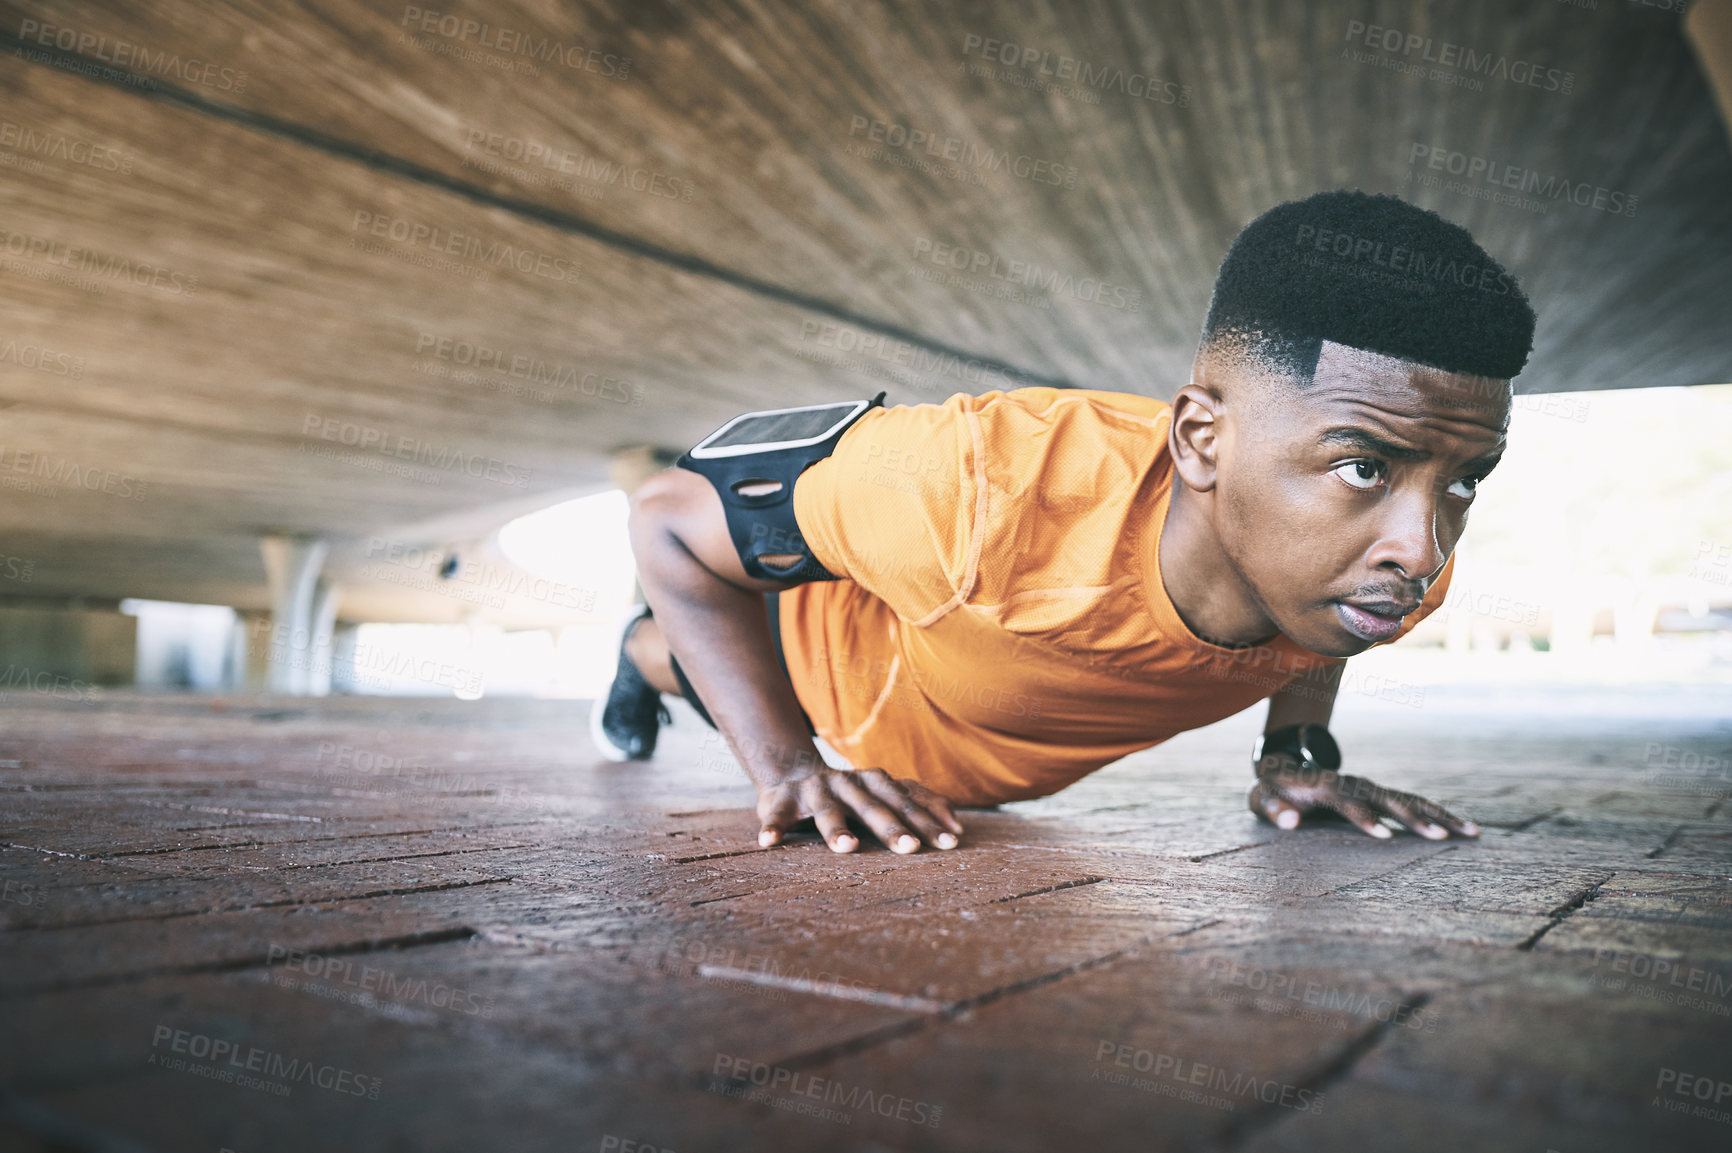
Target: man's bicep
(686, 506)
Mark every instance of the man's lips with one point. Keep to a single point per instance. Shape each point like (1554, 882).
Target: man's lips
(1374, 621)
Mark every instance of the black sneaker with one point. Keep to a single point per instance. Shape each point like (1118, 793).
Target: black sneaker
(623, 724)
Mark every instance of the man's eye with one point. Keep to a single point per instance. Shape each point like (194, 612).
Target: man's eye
(1362, 473)
(1464, 487)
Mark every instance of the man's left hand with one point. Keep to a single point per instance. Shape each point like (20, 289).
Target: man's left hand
(1282, 793)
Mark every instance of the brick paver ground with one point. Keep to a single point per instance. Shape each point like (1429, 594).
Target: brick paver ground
(290, 925)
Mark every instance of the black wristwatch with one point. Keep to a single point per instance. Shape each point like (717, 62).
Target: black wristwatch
(1309, 743)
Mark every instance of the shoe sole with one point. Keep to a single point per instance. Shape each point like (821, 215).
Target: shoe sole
(597, 734)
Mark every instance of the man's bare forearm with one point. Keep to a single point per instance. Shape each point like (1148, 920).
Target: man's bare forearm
(1309, 697)
(718, 632)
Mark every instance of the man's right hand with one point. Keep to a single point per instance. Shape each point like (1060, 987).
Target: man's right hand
(901, 813)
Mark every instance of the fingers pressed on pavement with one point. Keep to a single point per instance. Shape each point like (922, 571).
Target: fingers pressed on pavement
(937, 804)
(879, 817)
(1409, 810)
(781, 815)
(1442, 816)
(832, 821)
(898, 798)
(1269, 804)
(1362, 815)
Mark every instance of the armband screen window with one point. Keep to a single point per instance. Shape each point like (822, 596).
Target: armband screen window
(769, 431)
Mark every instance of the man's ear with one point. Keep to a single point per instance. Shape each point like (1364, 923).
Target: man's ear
(1193, 437)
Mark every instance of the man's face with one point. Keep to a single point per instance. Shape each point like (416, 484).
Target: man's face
(1340, 501)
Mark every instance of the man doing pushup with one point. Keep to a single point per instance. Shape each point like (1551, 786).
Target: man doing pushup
(988, 598)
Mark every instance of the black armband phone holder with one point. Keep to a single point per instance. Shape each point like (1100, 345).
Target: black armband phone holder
(753, 462)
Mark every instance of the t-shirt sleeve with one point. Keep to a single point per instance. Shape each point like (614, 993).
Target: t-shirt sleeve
(894, 507)
(1433, 601)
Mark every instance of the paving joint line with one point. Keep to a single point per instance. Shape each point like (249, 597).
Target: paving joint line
(729, 897)
(717, 856)
(1236, 1131)
(464, 829)
(1227, 852)
(1671, 839)
(1558, 915)
(1089, 880)
(1386, 873)
(951, 1010)
(1524, 826)
(241, 964)
(284, 904)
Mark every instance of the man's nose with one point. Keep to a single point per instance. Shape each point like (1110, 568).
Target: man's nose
(1408, 540)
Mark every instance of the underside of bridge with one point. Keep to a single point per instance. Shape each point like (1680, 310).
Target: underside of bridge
(256, 237)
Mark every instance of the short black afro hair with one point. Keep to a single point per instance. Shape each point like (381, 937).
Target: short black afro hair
(1370, 272)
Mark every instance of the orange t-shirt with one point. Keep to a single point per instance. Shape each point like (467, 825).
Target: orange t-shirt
(1001, 628)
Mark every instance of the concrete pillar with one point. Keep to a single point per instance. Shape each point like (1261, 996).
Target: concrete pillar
(326, 597)
(345, 641)
(239, 651)
(292, 567)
